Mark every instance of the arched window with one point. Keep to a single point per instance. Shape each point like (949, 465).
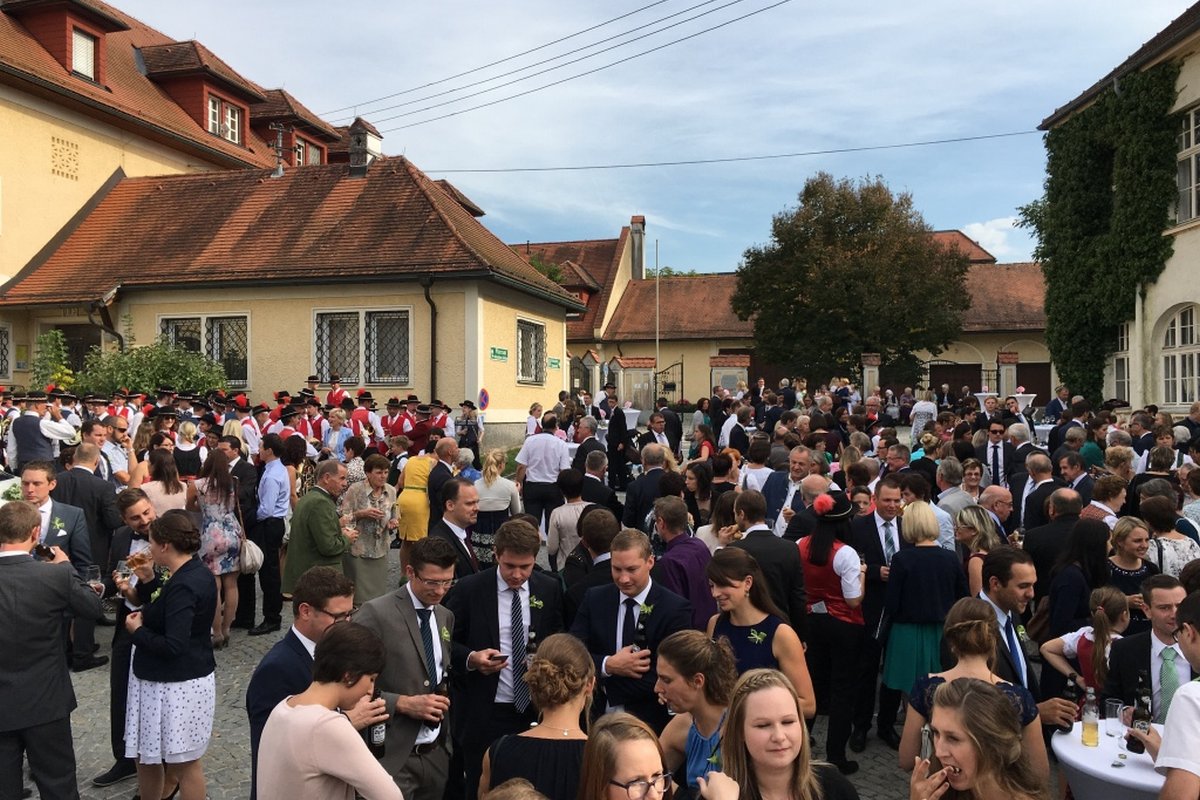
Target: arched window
(1181, 355)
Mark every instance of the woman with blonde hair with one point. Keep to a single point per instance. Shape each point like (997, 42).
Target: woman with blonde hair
(1090, 644)
(498, 500)
(971, 635)
(533, 423)
(334, 443)
(975, 529)
(413, 502)
(979, 750)
(766, 751)
(189, 454)
(623, 760)
(561, 677)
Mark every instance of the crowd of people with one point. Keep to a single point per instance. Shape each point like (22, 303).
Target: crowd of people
(632, 614)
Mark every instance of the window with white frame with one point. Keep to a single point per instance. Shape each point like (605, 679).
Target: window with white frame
(83, 53)
(1187, 204)
(1121, 363)
(301, 151)
(1180, 357)
(374, 344)
(224, 339)
(531, 352)
(307, 152)
(224, 119)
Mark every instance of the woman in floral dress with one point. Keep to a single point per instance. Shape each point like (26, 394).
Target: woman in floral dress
(214, 495)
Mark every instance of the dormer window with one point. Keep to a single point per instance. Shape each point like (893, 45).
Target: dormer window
(83, 54)
(224, 119)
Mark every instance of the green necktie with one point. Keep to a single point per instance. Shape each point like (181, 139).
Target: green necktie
(1168, 682)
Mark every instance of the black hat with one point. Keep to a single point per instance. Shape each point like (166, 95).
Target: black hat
(394, 402)
(313, 401)
(36, 396)
(438, 404)
(313, 379)
(122, 393)
(335, 378)
(412, 398)
(424, 409)
(289, 412)
(240, 402)
(833, 506)
(364, 396)
(306, 392)
(164, 390)
(281, 394)
(259, 409)
(161, 411)
(467, 404)
(210, 420)
(610, 385)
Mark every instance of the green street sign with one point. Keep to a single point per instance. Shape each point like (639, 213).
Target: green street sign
(499, 354)
(554, 363)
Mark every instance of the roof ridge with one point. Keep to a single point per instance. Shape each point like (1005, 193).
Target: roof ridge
(421, 179)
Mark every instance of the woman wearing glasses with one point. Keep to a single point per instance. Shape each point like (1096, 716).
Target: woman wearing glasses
(623, 761)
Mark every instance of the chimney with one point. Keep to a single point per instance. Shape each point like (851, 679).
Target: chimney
(366, 145)
(637, 239)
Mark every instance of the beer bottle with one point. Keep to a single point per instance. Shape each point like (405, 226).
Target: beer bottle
(376, 735)
(1070, 693)
(1142, 713)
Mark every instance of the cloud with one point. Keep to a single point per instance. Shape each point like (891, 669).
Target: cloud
(1001, 238)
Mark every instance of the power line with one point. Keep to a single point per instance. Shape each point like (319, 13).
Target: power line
(585, 73)
(535, 64)
(499, 61)
(736, 159)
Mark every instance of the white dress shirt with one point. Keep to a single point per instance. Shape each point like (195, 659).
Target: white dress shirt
(428, 734)
(1182, 668)
(879, 523)
(504, 692)
(780, 522)
(544, 456)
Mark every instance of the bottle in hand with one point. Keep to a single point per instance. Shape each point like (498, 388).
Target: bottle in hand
(1091, 720)
(376, 735)
(1142, 713)
(1070, 693)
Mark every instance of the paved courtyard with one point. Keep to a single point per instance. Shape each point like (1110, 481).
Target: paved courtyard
(227, 763)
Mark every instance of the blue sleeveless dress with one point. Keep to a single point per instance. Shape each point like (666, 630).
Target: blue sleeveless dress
(752, 644)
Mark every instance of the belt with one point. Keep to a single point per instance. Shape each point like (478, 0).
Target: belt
(422, 749)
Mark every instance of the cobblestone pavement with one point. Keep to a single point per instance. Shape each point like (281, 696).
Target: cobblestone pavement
(227, 763)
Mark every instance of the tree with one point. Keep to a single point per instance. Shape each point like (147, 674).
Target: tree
(550, 270)
(670, 272)
(50, 361)
(852, 269)
(147, 367)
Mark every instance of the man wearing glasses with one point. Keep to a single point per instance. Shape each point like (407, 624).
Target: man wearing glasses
(118, 449)
(415, 628)
(322, 597)
(997, 454)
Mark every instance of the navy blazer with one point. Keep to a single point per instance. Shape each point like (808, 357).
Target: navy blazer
(285, 670)
(775, 491)
(640, 497)
(596, 626)
(864, 538)
(463, 566)
(175, 641)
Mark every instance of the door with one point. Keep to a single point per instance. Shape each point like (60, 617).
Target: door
(80, 341)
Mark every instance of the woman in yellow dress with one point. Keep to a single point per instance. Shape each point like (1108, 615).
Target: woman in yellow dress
(414, 502)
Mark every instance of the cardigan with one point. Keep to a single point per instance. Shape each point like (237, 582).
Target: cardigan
(175, 641)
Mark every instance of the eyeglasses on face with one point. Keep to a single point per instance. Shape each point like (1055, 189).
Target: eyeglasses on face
(428, 584)
(638, 789)
(342, 617)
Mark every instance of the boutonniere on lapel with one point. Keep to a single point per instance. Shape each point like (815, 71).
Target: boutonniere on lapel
(1024, 637)
(57, 524)
(535, 601)
(154, 595)
(757, 637)
(445, 634)
(645, 609)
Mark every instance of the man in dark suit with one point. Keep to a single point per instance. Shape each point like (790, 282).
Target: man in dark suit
(446, 451)
(622, 625)
(991, 413)
(617, 442)
(674, 425)
(1144, 652)
(1031, 493)
(246, 475)
(1019, 435)
(500, 615)
(1141, 430)
(1047, 542)
(592, 567)
(656, 433)
(877, 538)
(80, 487)
(460, 510)
(36, 696)
(1075, 475)
(321, 597)
(778, 558)
(642, 493)
(415, 629)
(998, 455)
(739, 439)
(595, 490)
(781, 490)
(590, 444)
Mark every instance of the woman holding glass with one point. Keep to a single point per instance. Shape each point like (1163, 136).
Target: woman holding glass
(371, 504)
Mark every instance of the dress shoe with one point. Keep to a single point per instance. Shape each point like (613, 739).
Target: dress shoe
(889, 737)
(268, 626)
(237, 623)
(845, 767)
(90, 662)
(858, 740)
(122, 770)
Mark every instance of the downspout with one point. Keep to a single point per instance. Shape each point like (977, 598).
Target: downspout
(426, 283)
(105, 325)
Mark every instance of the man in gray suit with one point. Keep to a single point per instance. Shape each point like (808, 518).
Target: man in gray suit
(415, 629)
(36, 697)
(952, 499)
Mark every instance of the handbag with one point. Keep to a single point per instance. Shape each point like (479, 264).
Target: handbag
(250, 555)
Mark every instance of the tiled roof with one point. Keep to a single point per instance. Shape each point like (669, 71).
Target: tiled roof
(92, 10)
(1182, 28)
(279, 104)
(695, 307)
(190, 58)
(957, 240)
(633, 362)
(128, 95)
(599, 259)
(1005, 297)
(729, 361)
(575, 276)
(460, 198)
(314, 224)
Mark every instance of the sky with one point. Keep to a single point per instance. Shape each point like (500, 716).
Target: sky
(794, 78)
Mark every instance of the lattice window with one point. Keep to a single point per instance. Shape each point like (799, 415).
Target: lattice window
(229, 346)
(337, 345)
(183, 332)
(5, 340)
(387, 347)
(531, 352)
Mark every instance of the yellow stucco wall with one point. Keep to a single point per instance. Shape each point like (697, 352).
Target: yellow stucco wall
(52, 161)
(693, 353)
(499, 310)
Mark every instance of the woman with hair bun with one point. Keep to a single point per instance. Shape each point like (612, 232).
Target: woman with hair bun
(561, 677)
(971, 636)
(172, 692)
(695, 679)
(1090, 644)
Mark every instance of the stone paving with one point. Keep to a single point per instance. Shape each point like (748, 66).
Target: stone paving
(227, 763)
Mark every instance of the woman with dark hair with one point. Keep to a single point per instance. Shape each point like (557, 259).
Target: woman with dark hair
(701, 416)
(311, 751)
(704, 444)
(1127, 568)
(353, 450)
(721, 518)
(164, 488)
(1169, 550)
(140, 473)
(834, 576)
(755, 471)
(371, 505)
(172, 693)
(623, 760)
(214, 496)
(753, 624)
(1083, 566)
(302, 469)
(698, 495)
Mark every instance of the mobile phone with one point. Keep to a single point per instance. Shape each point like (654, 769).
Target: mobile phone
(497, 657)
(43, 552)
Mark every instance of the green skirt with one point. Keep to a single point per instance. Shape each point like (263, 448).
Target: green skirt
(913, 651)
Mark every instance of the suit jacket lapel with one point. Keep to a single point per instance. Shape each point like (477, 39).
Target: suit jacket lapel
(407, 614)
(491, 605)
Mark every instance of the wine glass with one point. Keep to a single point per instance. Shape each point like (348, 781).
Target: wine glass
(93, 578)
(123, 570)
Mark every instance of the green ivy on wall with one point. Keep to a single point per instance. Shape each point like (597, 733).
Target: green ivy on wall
(1109, 193)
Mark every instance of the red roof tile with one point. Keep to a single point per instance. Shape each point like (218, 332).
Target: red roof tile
(694, 307)
(729, 361)
(634, 362)
(460, 198)
(957, 240)
(128, 98)
(598, 259)
(314, 224)
(280, 105)
(176, 59)
(1006, 297)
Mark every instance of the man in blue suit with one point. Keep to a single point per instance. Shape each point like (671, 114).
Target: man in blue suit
(622, 624)
(782, 490)
(321, 597)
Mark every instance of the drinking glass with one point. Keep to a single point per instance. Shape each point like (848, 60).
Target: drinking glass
(123, 569)
(1112, 718)
(93, 578)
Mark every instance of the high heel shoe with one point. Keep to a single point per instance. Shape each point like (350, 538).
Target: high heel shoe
(218, 642)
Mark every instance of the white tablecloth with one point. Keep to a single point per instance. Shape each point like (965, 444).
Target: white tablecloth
(1043, 432)
(1090, 772)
